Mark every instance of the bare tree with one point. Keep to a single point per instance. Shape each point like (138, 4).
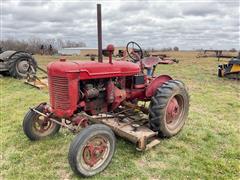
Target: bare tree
(176, 48)
(38, 46)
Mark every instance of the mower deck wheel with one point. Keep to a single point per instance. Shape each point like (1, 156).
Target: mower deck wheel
(92, 150)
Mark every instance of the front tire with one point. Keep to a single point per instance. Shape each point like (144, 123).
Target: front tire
(92, 150)
(168, 109)
(37, 127)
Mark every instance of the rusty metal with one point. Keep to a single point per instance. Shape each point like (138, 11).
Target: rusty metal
(135, 106)
(173, 111)
(99, 32)
(51, 119)
(165, 59)
(140, 137)
(41, 69)
(217, 53)
(110, 49)
(40, 83)
(37, 82)
(94, 151)
(143, 137)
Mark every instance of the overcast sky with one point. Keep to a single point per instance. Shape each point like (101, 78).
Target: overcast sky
(188, 24)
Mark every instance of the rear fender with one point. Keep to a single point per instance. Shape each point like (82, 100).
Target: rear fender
(156, 83)
(4, 56)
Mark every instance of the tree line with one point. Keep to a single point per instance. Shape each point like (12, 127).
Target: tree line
(39, 46)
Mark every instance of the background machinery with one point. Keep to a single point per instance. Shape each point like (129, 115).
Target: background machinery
(231, 69)
(104, 98)
(18, 64)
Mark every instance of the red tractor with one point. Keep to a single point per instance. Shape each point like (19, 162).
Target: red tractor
(102, 98)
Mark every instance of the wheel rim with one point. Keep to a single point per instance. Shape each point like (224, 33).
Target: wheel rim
(23, 67)
(95, 152)
(174, 111)
(42, 126)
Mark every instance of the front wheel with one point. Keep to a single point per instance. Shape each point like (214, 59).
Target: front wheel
(92, 150)
(168, 109)
(37, 127)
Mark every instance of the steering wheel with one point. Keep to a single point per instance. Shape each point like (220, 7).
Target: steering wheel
(130, 48)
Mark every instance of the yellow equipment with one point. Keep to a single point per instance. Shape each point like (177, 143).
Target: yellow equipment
(230, 70)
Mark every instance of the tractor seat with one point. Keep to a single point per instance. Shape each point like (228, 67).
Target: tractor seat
(149, 62)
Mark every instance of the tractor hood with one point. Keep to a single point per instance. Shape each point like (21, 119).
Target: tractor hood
(91, 69)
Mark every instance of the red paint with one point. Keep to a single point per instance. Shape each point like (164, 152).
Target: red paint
(119, 96)
(110, 92)
(81, 121)
(63, 94)
(149, 62)
(65, 78)
(173, 108)
(93, 152)
(156, 83)
(135, 94)
(92, 70)
(110, 48)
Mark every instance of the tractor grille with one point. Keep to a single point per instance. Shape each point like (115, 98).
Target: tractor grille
(59, 93)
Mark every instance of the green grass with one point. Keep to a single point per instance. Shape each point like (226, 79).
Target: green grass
(208, 147)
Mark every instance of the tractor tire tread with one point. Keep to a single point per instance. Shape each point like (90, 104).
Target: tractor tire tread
(80, 139)
(27, 128)
(159, 102)
(14, 59)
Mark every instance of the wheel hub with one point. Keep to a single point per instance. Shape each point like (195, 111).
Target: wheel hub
(173, 108)
(173, 111)
(42, 124)
(23, 66)
(94, 151)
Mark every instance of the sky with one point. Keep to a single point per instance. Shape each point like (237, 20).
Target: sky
(187, 24)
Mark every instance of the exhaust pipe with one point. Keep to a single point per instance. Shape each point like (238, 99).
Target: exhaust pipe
(99, 32)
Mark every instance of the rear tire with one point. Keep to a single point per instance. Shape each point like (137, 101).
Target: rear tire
(36, 127)
(21, 64)
(92, 150)
(168, 108)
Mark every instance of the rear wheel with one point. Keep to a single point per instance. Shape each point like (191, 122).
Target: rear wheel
(92, 150)
(37, 127)
(168, 109)
(21, 64)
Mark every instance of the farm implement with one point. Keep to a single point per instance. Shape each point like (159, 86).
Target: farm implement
(97, 100)
(230, 70)
(214, 53)
(17, 64)
(22, 65)
(36, 81)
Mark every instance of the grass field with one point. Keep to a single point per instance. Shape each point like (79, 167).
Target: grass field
(207, 148)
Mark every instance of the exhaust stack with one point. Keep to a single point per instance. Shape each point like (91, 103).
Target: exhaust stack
(99, 32)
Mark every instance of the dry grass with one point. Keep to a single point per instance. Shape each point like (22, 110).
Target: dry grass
(207, 147)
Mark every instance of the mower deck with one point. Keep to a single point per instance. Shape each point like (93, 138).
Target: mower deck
(137, 132)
